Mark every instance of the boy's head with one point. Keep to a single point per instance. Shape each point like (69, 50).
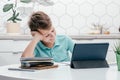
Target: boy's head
(39, 20)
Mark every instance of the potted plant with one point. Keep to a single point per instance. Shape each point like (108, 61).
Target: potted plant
(13, 26)
(117, 51)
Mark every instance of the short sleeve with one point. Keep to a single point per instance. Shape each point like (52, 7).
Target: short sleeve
(36, 52)
(70, 44)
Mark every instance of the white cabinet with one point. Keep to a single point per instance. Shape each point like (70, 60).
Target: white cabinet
(9, 58)
(6, 45)
(11, 50)
(20, 45)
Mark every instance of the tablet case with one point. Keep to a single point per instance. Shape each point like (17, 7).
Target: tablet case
(89, 55)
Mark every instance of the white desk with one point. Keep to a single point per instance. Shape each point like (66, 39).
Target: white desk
(64, 72)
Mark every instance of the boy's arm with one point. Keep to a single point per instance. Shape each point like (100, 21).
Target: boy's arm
(29, 50)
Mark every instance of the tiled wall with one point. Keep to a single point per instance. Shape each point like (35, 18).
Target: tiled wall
(71, 17)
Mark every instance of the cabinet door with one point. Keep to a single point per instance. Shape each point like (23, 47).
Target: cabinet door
(10, 51)
(20, 45)
(9, 58)
(6, 45)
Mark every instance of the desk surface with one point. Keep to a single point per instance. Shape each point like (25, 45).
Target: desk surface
(63, 72)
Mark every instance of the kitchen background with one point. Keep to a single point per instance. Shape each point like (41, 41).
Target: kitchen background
(72, 17)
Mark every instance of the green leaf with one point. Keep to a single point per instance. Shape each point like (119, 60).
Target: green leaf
(17, 15)
(25, 1)
(117, 47)
(14, 12)
(18, 19)
(10, 19)
(7, 7)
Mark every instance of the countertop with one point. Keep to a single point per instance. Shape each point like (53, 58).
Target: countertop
(95, 36)
(76, 37)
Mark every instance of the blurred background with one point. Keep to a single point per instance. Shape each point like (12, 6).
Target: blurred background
(86, 20)
(72, 17)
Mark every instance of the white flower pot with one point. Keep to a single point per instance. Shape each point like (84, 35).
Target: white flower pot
(13, 28)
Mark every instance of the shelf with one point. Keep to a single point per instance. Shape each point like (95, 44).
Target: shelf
(76, 37)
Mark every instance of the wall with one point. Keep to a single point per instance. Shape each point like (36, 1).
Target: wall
(71, 17)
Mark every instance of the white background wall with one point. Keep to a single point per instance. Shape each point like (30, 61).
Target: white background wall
(71, 17)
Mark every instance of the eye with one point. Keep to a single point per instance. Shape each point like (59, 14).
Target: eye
(47, 35)
(52, 30)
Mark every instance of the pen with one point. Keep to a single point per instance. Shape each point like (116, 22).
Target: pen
(19, 69)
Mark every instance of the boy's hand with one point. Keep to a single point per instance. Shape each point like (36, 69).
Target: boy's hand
(37, 36)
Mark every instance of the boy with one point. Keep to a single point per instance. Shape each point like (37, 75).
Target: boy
(45, 42)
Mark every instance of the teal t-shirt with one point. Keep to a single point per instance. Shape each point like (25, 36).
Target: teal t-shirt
(59, 52)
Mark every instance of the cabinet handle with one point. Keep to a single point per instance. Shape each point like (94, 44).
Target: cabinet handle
(17, 52)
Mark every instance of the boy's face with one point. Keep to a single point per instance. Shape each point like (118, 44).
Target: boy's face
(49, 35)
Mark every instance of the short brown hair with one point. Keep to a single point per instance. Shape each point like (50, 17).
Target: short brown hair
(39, 20)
